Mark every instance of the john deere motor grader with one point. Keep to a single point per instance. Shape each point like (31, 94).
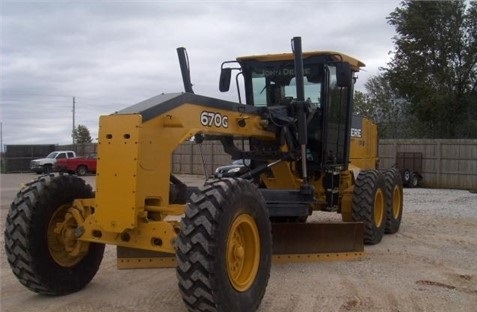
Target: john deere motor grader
(296, 120)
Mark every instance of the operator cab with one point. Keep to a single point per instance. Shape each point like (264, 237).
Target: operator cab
(270, 83)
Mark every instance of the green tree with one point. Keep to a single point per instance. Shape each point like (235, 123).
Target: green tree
(362, 106)
(81, 135)
(389, 107)
(382, 104)
(434, 66)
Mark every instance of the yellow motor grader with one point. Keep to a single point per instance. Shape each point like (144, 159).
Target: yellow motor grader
(222, 236)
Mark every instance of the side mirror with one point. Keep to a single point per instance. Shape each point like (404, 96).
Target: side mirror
(344, 76)
(224, 82)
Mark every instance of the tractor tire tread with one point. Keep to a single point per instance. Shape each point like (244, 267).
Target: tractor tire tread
(25, 210)
(197, 230)
(363, 201)
(197, 242)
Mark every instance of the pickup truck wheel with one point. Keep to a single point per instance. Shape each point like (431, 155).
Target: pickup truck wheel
(224, 248)
(81, 170)
(47, 169)
(40, 244)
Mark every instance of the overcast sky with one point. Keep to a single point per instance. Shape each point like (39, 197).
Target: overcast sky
(112, 54)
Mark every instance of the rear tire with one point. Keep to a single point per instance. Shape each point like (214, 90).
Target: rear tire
(369, 205)
(224, 248)
(394, 200)
(36, 253)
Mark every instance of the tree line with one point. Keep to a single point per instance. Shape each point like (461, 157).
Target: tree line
(429, 88)
(81, 135)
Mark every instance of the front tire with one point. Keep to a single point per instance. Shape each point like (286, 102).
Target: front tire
(38, 255)
(47, 169)
(224, 248)
(369, 205)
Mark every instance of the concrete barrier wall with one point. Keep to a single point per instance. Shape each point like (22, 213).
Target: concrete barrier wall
(445, 163)
(187, 157)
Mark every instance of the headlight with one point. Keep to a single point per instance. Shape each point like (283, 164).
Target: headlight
(234, 170)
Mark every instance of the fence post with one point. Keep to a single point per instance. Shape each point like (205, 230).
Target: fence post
(438, 161)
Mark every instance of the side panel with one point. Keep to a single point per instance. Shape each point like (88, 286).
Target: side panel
(116, 180)
(364, 143)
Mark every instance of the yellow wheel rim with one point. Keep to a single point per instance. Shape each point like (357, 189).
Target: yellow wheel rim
(243, 252)
(397, 201)
(64, 248)
(378, 208)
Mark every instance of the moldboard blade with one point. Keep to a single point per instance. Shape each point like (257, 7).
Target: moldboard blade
(292, 242)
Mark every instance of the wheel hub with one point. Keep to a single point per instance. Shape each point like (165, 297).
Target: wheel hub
(243, 252)
(378, 208)
(239, 252)
(63, 244)
(397, 201)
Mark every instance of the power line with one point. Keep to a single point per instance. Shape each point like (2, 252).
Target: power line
(39, 94)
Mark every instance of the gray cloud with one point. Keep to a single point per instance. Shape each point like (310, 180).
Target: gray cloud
(111, 54)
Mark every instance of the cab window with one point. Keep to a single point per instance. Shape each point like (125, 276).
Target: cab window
(275, 84)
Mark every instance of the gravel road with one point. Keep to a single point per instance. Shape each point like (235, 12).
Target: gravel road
(429, 265)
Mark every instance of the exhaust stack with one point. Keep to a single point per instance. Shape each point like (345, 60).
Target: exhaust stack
(185, 69)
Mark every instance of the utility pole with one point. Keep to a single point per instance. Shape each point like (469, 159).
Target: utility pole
(73, 132)
(1, 148)
(1, 138)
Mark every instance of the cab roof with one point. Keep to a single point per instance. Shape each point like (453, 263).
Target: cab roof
(336, 56)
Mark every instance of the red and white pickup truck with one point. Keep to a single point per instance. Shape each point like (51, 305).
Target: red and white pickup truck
(78, 165)
(47, 164)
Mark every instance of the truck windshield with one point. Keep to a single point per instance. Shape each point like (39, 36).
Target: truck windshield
(52, 155)
(272, 85)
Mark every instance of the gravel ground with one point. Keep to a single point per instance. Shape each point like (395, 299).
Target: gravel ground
(429, 265)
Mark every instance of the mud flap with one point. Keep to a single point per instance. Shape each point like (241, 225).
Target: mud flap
(292, 242)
